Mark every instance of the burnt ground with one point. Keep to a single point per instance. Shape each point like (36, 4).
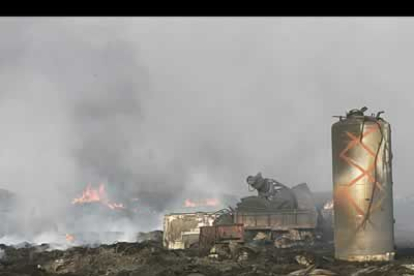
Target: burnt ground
(150, 258)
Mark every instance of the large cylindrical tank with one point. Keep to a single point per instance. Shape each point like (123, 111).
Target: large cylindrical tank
(363, 200)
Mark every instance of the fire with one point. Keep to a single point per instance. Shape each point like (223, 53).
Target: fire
(212, 202)
(91, 195)
(206, 202)
(70, 238)
(96, 195)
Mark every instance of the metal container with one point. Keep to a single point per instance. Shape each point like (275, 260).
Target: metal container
(210, 235)
(182, 230)
(282, 220)
(363, 200)
(254, 217)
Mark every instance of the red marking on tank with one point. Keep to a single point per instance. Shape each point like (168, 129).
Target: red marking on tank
(344, 191)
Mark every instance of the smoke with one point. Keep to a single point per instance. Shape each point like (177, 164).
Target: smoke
(182, 106)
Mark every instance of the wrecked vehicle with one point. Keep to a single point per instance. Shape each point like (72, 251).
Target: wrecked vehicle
(280, 215)
(277, 214)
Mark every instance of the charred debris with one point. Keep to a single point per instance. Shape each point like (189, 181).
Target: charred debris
(278, 215)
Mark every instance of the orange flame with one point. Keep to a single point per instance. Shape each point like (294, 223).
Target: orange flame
(70, 238)
(96, 195)
(91, 195)
(206, 202)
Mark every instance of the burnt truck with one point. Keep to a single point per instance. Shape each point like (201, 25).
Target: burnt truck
(277, 214)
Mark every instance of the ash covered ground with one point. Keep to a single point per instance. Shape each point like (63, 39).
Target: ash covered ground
(150, 258)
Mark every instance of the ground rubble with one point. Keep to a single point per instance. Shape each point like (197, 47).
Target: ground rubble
(150, 258)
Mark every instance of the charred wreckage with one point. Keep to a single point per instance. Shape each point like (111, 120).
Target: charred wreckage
(279, 231)
(277, 214)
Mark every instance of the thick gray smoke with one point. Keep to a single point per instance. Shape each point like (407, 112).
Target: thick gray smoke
(159, 108)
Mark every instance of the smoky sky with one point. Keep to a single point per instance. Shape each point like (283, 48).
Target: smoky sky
(175, 105)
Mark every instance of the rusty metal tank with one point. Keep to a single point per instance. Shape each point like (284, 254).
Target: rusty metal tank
(362, 179)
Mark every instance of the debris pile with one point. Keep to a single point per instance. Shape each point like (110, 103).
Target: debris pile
(151, 258)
